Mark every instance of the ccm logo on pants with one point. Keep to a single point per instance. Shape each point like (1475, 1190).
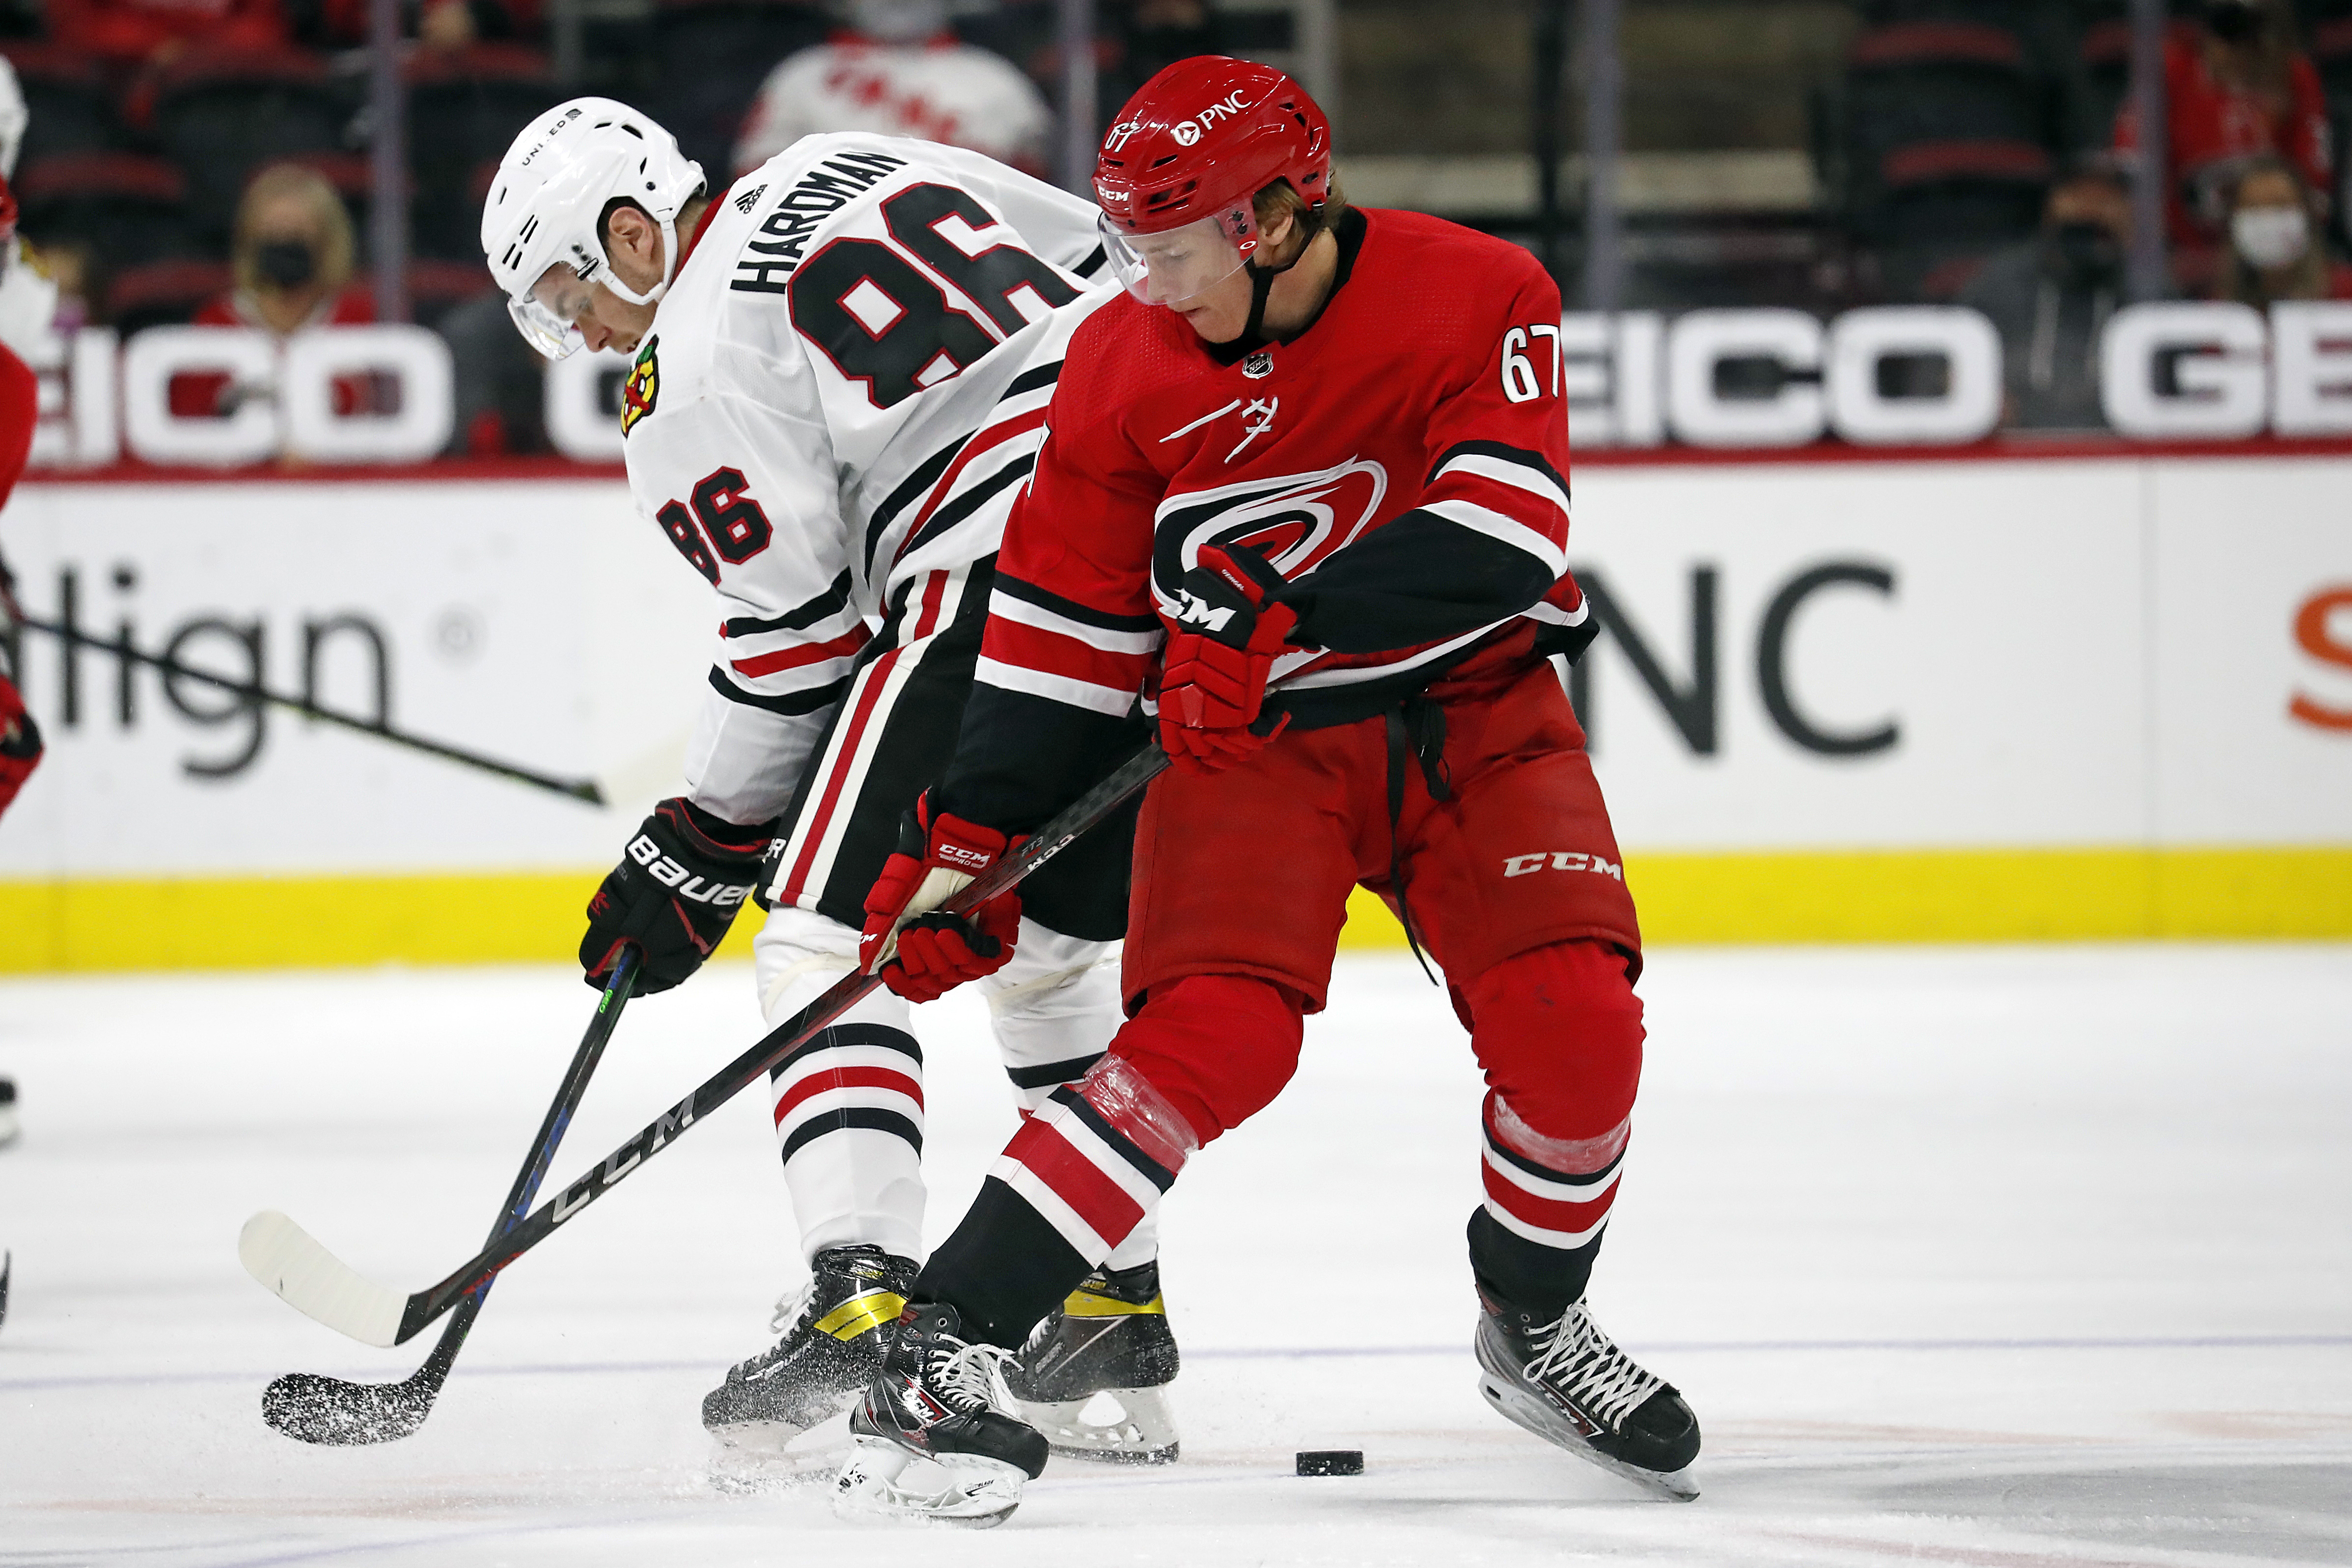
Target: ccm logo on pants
(1561, 860)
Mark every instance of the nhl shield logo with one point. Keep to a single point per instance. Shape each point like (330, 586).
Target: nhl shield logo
(644, 385)
(1259, 366)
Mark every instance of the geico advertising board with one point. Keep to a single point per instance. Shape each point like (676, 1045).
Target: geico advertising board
(539, 624)
(1840, 656)
(2094, 652)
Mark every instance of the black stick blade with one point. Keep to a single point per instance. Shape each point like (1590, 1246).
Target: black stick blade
(310, 1408)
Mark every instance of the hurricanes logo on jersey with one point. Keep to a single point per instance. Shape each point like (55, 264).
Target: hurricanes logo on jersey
(644, 385)
(1294, 521)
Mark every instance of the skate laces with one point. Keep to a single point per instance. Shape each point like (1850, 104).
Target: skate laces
(970, 1376)
(1571, 1351)
(789, 1306)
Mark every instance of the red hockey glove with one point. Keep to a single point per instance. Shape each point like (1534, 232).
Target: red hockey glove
(1222, 644)
(921, 951)
(675, 893)
(20, 743)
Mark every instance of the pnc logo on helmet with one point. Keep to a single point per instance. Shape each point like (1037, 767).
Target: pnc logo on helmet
(1186, 133)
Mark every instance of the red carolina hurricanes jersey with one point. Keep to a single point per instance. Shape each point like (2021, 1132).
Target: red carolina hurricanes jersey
(1403, 462)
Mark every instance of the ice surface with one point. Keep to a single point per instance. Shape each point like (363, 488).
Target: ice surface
(1999, 1256)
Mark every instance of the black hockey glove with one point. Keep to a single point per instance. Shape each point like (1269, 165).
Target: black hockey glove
(674, 895)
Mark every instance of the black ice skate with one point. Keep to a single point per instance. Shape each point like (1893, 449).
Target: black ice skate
(1110, 1336)
(834, 1332)
(1564, 1381)
(7, 1112)
(931, 1440)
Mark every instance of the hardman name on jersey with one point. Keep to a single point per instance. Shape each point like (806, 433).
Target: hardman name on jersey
(824, 191)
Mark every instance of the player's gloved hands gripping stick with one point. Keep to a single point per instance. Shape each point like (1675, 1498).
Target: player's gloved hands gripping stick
(922, 951)
(1223, 640)
(674, 895)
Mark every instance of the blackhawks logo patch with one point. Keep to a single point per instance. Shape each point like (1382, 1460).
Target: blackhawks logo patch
(644, 385)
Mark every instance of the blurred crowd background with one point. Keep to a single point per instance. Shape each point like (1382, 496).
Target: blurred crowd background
(208, 161)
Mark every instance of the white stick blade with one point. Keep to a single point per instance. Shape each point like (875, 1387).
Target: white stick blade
(316, 1283)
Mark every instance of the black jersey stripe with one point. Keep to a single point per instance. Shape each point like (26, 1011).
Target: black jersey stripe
(832, 601)
(841, 1036)
(910, 489)
(791, 703)
(1050, 1074)
(1093, 264)
(1029, 380)
(1070, 608)
(871, 1117)
(971, 501)
(1147, 1167)
(1501, 453)
(1545, 1173)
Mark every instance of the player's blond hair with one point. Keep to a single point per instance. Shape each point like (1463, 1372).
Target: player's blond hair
(1279, 200)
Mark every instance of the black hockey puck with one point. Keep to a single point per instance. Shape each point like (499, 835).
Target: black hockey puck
(1331, 1462)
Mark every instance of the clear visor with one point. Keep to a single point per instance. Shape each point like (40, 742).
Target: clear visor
(545, 315)
(1176, 266)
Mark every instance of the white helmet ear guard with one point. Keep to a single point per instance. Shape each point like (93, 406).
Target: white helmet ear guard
(547, 202)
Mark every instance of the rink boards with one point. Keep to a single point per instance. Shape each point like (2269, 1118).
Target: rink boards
(1948, 699)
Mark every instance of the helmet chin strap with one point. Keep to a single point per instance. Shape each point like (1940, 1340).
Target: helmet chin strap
(669, 269)
(1262, 280)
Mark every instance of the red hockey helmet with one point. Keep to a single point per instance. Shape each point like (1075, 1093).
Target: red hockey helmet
(1181, 167)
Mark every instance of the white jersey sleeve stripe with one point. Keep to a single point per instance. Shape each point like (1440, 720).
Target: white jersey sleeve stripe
(1505, 530)
(1502, 471)
(1109, 700)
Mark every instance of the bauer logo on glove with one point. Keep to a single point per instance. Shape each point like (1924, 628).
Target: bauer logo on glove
(683, 880)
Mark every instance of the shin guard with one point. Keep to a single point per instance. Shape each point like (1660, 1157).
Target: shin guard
(1074, 1181)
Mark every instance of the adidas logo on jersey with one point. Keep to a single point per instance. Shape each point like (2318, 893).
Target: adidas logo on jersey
(684, 883)
(750, 199)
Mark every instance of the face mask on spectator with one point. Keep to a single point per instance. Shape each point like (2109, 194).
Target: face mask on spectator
(2086, 250)
(287, 263)
(2270, 236)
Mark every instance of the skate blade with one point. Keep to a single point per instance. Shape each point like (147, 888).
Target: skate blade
(882, 1482)
(782, 1438)
(1524, 1411)
(1145, 1433)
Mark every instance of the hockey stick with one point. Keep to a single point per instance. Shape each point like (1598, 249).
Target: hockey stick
(312, 1408)
(284, 1258)
(577, 789)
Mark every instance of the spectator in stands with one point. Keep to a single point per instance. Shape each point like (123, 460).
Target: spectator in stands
(2051, 296)
(2276, 250)
(897, 68)
(292, 259)
(2238, 88)
(1134, 41)
(154, 32)
(446, 25)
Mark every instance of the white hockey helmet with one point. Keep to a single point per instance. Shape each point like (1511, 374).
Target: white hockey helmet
(13, 117)
(548, 202)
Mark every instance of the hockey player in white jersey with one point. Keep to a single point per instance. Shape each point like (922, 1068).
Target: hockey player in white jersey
(842, 366)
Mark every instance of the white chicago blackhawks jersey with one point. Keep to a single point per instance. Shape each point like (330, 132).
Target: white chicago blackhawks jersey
(845, 387)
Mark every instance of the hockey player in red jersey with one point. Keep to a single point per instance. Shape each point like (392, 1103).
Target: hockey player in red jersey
(20, 737)
(1305, 494)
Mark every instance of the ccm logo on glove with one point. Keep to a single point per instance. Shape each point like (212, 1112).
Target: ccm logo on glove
(1196, 610)
(670, 874)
